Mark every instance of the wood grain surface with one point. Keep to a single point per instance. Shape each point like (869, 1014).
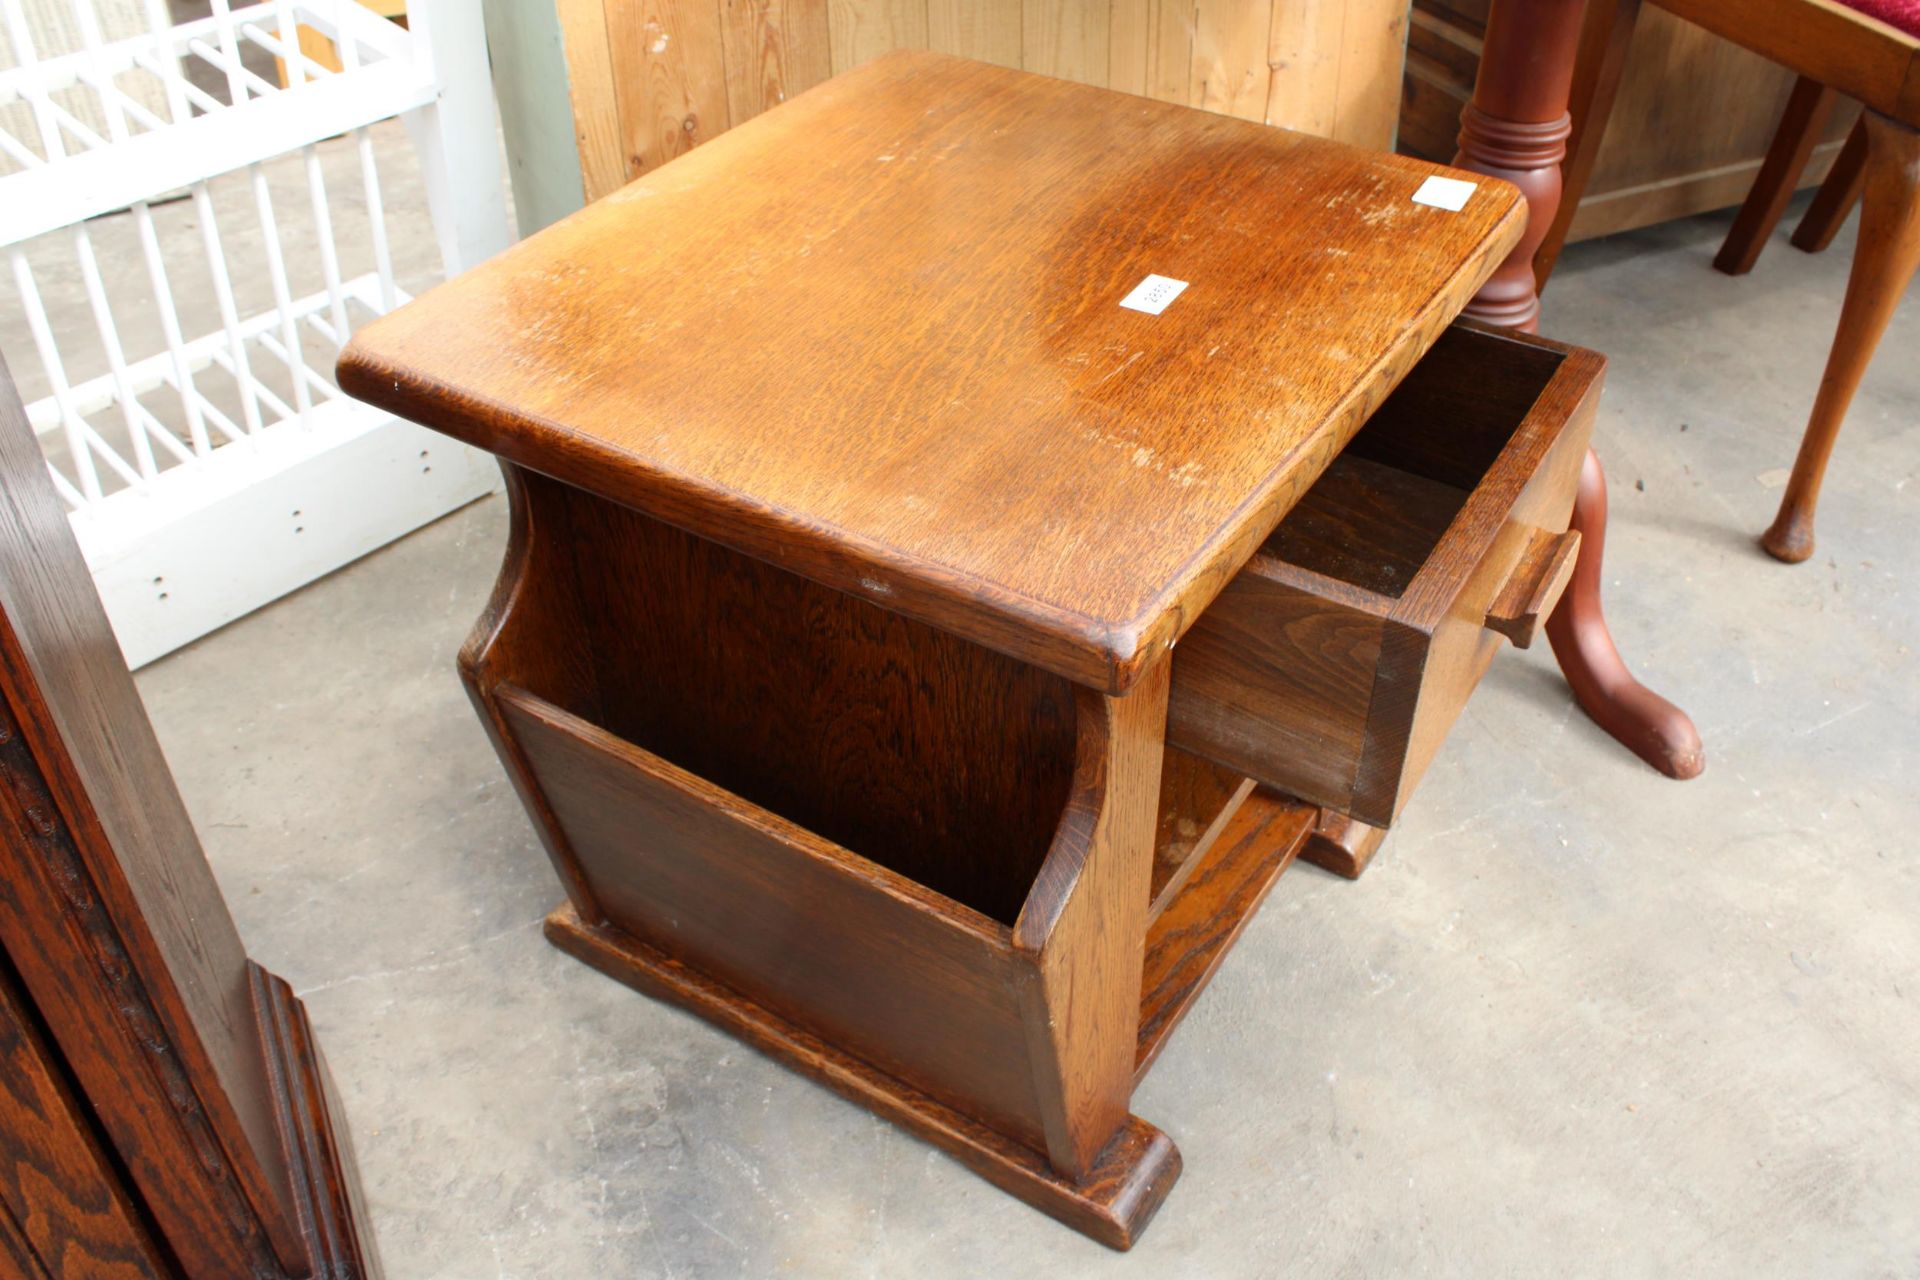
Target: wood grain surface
(120, 939)
(73, 1214)
(876, 337)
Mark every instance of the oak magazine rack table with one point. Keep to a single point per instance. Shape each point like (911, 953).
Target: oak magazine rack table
(921, 664)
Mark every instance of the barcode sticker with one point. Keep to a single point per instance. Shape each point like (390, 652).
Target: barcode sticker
(1444, 193)
(1153, 295)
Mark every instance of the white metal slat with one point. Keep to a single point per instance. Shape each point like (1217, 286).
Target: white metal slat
(101, 181)
(168, 508)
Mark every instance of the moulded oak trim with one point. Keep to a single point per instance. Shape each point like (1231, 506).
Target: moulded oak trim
(1112, 1204)
(326, 1181)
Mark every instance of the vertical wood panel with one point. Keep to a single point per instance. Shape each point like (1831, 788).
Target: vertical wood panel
(1066, 38)
(774, 49)
(1230, 72)
(1129, 23)
(651, 78)
(1170, 51)
(865, 29)
(669, 75)
(596, 105)
(1304, 52)
(989, 30)
(1373, 53)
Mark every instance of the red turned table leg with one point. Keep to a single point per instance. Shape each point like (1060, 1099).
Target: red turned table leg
(1516, 128)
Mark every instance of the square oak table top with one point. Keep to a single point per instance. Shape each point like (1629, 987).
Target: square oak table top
(875, 336)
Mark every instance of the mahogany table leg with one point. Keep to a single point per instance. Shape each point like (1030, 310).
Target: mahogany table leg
(1516, 128)
(1883, 264)
(1643, 721)
(1596, 83)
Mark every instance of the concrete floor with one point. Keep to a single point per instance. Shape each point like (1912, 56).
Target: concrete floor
(1575, 1020)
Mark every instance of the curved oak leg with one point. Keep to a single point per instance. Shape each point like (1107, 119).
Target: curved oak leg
(1643, 721)
(1883, 263)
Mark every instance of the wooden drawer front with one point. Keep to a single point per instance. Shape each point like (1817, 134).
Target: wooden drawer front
(1334, 664)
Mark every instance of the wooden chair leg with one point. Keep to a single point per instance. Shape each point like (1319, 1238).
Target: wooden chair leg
(1800, 125)
(1823, 218)
(1883, 264)
(1596, 82)
(1643, 721)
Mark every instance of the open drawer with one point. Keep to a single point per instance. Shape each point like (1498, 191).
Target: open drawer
(1333, 665)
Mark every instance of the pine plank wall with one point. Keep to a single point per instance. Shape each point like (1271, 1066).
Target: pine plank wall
(649, 79)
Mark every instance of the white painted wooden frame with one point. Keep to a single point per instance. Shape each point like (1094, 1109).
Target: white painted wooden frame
(190, 525)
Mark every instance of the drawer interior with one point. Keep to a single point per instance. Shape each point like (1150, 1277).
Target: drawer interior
(1378, 513)
(1333, 665)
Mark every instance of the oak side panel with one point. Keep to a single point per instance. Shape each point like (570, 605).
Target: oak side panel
(112, 914)
(1084, 926)
(917, 986)
(57, 1184)
(942, 759)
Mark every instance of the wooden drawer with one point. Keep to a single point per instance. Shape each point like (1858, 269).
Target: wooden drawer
(1334, 664)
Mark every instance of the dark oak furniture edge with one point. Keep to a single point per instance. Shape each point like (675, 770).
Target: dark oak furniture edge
(119, 933)
(1113, 1203)
(326, 1180)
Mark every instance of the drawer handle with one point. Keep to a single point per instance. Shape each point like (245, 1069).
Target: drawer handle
(1534, 586)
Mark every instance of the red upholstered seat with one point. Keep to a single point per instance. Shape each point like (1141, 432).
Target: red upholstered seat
(1904, 14)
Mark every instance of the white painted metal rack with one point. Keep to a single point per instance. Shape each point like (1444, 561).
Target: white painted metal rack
(222, 467)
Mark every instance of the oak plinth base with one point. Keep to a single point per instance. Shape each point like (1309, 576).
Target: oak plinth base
(1342, 845)
(1112, 1204)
